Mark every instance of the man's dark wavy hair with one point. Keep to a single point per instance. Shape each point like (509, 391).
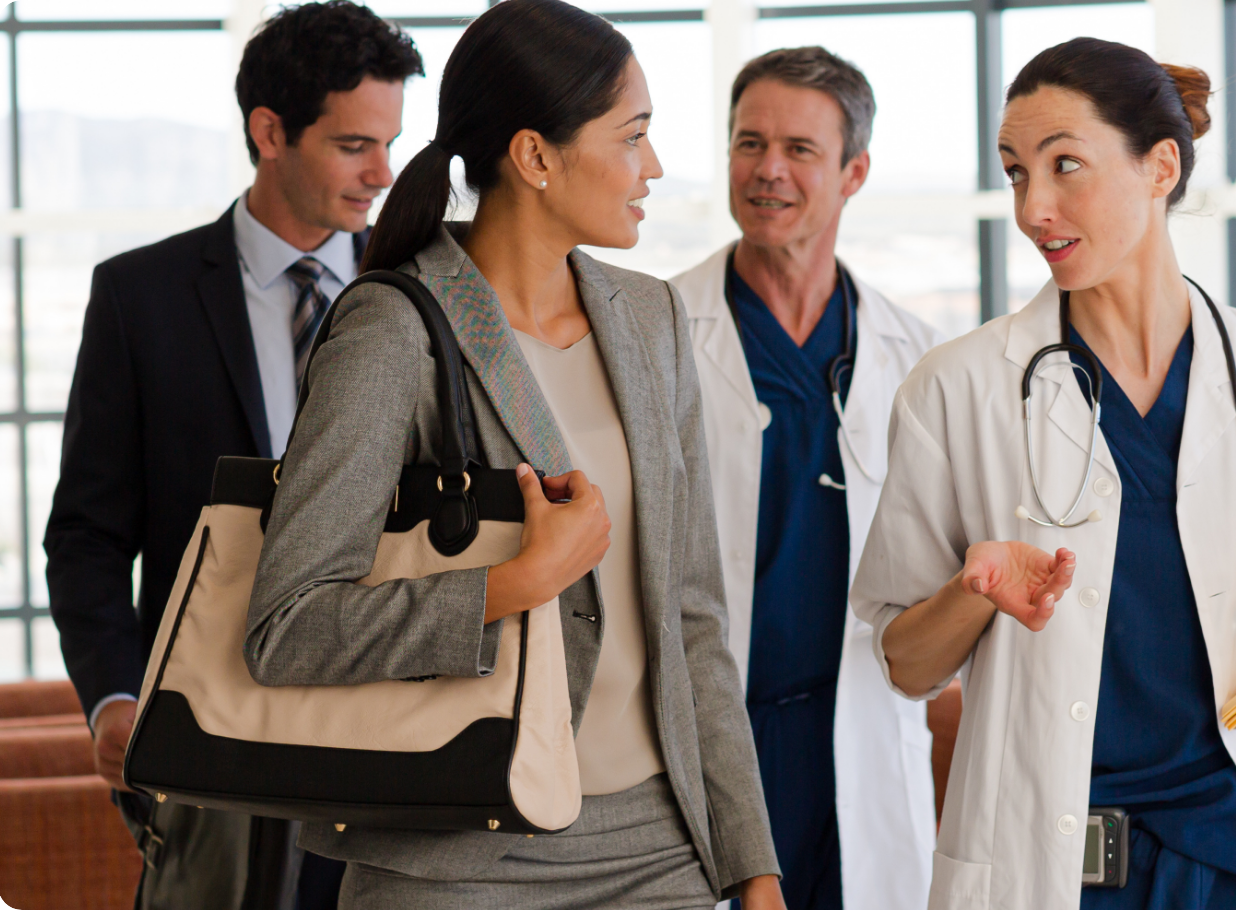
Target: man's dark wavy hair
(304, 53)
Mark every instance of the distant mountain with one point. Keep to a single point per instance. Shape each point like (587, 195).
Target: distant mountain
(73, 162)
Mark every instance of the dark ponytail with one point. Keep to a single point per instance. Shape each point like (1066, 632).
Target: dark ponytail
(542, 65)
(1147, 101)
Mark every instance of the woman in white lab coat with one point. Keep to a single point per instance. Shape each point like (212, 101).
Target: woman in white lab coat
(1098, 653)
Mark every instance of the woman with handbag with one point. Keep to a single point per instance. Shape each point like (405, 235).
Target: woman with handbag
(569, 363)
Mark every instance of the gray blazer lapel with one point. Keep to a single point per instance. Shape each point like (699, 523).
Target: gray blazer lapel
(639, 397)
(488, 344)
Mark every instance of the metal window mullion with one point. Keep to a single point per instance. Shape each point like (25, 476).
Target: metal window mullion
(1229, 96)
(992, 233)
(19, 348)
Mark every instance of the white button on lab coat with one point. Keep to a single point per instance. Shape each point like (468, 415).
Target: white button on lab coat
(1020, 780)
(882, 748)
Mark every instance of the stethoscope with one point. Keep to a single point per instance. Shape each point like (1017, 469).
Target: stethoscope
(842, 363)
(1094, 381)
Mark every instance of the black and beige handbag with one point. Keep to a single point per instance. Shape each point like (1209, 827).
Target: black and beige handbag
(493, 753)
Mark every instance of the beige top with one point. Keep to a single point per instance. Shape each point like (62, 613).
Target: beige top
(617, 742)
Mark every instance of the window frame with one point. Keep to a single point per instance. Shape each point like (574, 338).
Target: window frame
(993, 231)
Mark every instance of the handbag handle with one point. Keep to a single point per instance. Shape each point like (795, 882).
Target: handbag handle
(459, 447)
(455, 522)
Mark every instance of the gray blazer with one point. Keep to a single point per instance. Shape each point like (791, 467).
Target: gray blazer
(371, 409)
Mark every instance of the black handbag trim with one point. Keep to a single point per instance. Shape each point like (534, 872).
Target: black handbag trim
(250, 482)
(473, 762)
(167, 652)
(519, 705)
(222, 770)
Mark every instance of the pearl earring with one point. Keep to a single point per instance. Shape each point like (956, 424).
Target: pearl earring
(544, 183)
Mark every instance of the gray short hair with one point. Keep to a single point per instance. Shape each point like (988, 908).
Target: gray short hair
(814, 67)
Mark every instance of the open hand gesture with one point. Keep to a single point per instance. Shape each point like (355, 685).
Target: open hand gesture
(1021, 580)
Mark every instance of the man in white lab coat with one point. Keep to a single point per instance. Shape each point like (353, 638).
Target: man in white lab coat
(798, 363)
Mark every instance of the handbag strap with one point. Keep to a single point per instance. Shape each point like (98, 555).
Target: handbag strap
(459, 446)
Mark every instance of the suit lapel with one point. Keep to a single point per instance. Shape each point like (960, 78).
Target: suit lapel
(639, 395)
(488, 344)
(223, 298)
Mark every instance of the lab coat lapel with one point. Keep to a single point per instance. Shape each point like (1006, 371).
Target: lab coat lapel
(639, 399)
(718, 337)
(871, 388)
(1209, 411)
(491, 349)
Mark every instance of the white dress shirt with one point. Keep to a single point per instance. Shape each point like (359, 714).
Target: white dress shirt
(270, 297)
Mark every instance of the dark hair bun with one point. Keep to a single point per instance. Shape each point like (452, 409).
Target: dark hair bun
(1194, 88)
(1147, 101)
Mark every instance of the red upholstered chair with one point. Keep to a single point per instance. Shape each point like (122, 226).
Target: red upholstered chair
(62, 843)
(46, 751)
(38, 699)
(64, 847)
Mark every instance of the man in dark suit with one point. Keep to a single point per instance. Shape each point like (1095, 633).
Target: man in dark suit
(193, 348)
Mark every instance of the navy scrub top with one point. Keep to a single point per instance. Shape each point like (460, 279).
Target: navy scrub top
(1157, 751)
(801, 587)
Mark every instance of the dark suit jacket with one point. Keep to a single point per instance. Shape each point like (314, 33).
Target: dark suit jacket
(166, 382)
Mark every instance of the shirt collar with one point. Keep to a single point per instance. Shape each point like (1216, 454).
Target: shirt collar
(267, 256)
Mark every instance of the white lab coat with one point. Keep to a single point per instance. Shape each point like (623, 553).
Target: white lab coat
(882, 747)
(1013, 832)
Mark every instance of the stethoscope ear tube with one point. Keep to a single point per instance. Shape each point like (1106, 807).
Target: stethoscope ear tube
(842, 362)
(1094, 375)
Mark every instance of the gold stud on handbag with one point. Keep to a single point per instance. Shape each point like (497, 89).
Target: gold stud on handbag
(488, 753)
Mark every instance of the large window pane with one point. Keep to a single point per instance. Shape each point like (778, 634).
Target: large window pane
(6, 145)
(12, 650)
(99, 132)
(11, 554)
(420, 105)
(123, 9)
(923, 142)
(778, 3)
(648, 6)
(1028, 270)
(677, 62)
(1028, 31)
(464, 9)
(47, 659)
(928, 265)
(57, 272)
(43, 470)
(922, 70)
(8, 329)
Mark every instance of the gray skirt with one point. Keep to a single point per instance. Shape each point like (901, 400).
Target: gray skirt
(628, 849)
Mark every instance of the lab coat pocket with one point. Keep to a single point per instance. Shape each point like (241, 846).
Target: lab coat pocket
(959, 886)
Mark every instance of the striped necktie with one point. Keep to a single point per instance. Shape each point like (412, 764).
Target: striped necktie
(311, 306)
